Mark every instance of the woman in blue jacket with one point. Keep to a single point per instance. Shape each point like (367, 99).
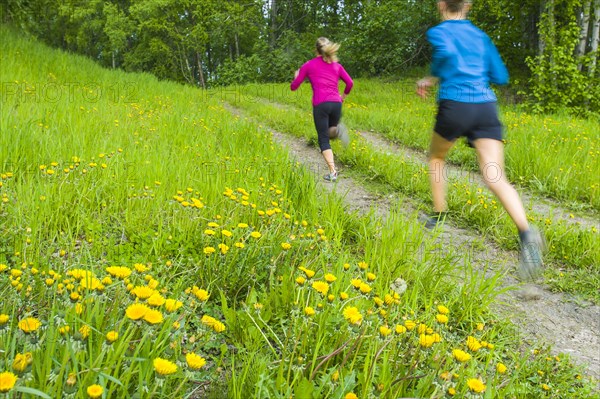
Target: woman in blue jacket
(465, 62)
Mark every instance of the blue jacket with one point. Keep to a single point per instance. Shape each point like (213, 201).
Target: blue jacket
(466, 61)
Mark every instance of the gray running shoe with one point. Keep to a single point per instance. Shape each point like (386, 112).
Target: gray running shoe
(435, 220)
(342, 134)
(531, 262)
(331, 177)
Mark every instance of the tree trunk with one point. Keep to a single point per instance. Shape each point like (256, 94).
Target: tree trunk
(273, 37)
(584, 24)
(113, 59)
(595, 38)
(200, 73)
(237, 46)
(547, 7)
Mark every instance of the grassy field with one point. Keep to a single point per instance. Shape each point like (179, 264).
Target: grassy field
(574, 250)
(155, 246)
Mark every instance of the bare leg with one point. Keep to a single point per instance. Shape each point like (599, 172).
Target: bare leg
(328, 156)
(490, 154)
(437, 178)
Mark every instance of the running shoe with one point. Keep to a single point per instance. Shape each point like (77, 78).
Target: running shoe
(342, 134)
(331, 177)
(434, 220)
(531, 263)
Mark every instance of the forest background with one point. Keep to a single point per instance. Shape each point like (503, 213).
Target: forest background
(550, 46)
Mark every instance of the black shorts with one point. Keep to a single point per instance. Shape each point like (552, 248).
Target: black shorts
(473, 121)
(326, 115)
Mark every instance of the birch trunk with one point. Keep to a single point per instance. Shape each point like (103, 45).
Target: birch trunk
(595, 38)
(200, 73)
(584, 24)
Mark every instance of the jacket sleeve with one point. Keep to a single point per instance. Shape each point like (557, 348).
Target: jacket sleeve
(440, 50)
(300, 78)
(497, 71)
(347, 80)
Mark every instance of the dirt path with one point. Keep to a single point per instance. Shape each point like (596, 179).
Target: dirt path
(568, 325)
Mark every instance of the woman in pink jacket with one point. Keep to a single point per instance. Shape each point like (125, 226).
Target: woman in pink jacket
(324, 73)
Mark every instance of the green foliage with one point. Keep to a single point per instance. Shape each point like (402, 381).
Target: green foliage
(556, 81)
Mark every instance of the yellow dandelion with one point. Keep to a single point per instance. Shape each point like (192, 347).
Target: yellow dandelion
(350, 395)
(443, 310)
(363, 265)
(352, 314)
(213, 323)
(321, 287)
(29, 324)
(545, 387)
(309, 273)
(255, 234)
(371, 277)
(7, 381)
(384, 331)
(410, 325)
(153, 316)
(94, 391)
(85, 331)
(309, 311)
(136, 311)
(501, 368)
(223, 248)
(164, 367)
(400, 329)
(300, 280)
(194, 361)
(441, 318)
(286, 245)
(476, 385)
(4, 318)
(426, 340)
(473, 344)
(343, 296)
(330, 278)
(451, 391)
(209, 250)
(461, 356)
(22, 361)
(119, 271)
(112, 336)
(172, 305)
(200, 293)
(143, 291)
(156, 300)
(356, 282)
(330, 298)
(365, 288)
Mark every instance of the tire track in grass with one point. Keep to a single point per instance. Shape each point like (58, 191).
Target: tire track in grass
(571, 327)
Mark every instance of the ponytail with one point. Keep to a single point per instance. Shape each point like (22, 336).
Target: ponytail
(327, 49)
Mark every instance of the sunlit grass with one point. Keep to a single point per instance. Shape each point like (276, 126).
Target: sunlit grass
(154, 245)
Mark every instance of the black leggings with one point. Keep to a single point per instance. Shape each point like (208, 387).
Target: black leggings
(326, 115)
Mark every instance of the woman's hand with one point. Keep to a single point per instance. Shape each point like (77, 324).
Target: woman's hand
(424, 84)
(296, 73)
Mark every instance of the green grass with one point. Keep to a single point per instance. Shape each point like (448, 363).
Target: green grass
(211, 223)
(552, 155)
(574, 252)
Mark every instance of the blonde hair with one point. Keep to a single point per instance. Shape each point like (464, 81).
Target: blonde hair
(327, 49)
